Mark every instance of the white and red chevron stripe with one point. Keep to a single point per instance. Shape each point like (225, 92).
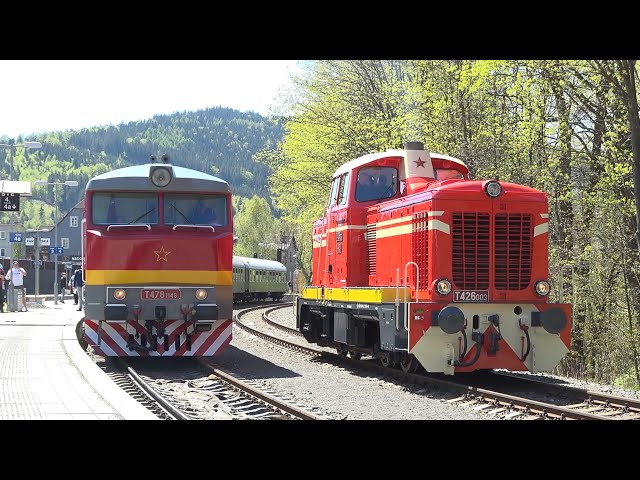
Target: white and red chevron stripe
(114, 337)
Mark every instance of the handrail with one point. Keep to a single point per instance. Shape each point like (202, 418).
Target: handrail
(406, 309)
(397, 302)
(83, 239)
(126, 225)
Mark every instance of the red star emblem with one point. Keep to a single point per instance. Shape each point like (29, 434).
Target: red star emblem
(419, 163)
(162, 254)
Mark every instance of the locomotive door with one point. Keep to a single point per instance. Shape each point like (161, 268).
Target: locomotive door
(336, 230)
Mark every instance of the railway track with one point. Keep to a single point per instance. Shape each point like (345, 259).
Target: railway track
(578, 404)
(128, 380)
(218, 395)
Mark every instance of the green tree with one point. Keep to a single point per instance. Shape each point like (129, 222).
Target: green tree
(254, 224)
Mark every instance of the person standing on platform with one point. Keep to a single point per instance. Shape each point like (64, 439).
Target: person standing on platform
(3, 289)
(63, 286)
(78, 283)
(16, 276)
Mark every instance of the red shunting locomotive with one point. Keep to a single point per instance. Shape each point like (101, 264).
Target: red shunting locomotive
(417, 265)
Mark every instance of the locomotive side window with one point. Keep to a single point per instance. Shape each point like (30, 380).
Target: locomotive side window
(124, 208)
(335, 185)
(344, 188)
(195, 209)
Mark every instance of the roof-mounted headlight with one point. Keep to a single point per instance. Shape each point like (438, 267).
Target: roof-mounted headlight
(161, 176)
(493, 188)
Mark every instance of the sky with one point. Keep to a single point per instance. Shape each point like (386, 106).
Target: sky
(54, 95)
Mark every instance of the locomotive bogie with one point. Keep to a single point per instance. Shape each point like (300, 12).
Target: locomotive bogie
(366, 328)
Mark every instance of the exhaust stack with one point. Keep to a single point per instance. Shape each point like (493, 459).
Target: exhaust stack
(418, 167)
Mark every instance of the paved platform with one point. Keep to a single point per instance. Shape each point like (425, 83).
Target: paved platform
(45, 374)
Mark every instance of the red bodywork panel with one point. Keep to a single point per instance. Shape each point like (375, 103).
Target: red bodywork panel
(121, 250)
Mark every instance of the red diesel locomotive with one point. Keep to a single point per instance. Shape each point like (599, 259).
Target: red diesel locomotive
(157, 258)
(415, 264)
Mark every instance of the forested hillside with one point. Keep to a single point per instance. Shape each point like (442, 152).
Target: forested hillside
(219, 141)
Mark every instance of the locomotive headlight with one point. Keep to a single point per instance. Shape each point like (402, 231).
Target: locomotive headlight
(201, 294)
(493, 188)
(119, 294)
(542, 288)
(443, 286)
(161, 176)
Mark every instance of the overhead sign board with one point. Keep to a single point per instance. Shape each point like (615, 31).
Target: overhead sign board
(45, 242)
(15, 237)
(29, 241)
(57, 250)
(12, 186)
(9, 202)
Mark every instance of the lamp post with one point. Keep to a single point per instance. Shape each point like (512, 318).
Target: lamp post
(68, 183)
(28, 146)
(37, 266)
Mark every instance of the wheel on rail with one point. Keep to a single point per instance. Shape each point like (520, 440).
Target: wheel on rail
(342, 350)
(387, 359)
(355, 355)
(408, 363)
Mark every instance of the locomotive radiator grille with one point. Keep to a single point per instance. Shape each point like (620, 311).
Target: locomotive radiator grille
(419, 247)
(471, 251)
(513, 251)
(371, 250)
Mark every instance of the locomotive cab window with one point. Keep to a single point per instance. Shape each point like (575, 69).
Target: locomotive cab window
(447, 173)
(124, 208)
(376, 183)
(195, 209)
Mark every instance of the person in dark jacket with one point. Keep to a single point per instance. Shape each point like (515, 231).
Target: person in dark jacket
(62, 286)
(78, 285)
(3, 289)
